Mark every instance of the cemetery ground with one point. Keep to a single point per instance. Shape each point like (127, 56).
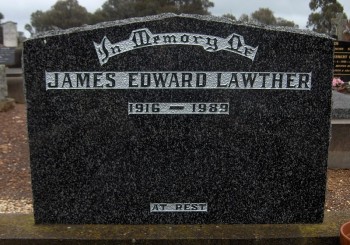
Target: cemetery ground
(15, 183)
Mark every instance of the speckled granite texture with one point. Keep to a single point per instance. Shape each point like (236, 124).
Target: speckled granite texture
(265, 162)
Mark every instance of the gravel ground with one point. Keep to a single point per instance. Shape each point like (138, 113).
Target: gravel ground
(15, 185)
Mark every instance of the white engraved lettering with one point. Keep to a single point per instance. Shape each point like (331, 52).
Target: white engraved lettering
(178, 80)
(144, 38)
(178, 207)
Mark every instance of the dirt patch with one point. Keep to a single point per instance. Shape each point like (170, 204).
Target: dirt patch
(338, 190)
(15, 184)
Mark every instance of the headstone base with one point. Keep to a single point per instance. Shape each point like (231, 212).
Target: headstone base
(20, 229)
(7, 104)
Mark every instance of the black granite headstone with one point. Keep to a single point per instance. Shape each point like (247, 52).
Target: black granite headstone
(178, 119)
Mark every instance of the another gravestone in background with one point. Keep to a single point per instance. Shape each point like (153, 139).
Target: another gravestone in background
(14, 74)
(6, 57)
(8, 43)
(178, 119)
(9, 34)
(3, 84)
(339, 151)
(342, 60)
(5, 102)
(340, 27)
